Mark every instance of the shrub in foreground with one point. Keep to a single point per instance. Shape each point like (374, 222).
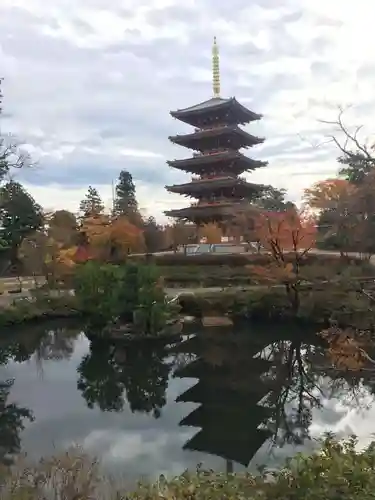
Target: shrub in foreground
(336, 471)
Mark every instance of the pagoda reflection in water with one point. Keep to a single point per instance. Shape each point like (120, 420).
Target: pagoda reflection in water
(229, 391)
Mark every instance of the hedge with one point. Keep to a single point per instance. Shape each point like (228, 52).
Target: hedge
(238, 260)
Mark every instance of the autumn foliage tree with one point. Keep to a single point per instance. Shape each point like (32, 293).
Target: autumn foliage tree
(346, 214)
(287, 237)
(179, 234)
(110, 238)
(280, 232)
(328, 194)
(210, 233)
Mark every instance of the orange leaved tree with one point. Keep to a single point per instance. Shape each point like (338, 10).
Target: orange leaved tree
(287, 237)
(104, 238)
(328, 194)
(280, 232)
(111, 238)
(211, 233)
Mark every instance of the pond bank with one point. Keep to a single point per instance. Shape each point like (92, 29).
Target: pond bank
(347, 307)
(82, 475)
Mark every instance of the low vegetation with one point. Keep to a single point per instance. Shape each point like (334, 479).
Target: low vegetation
(337, 470)
(42, 307)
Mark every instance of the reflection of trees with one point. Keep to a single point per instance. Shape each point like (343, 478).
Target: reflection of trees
(20, 347)
(99, 379)
(145, 375)
(255, 382)
(12, 419)
(47, 344)
(141, 372)
(295, 390)
(11, 415)
(57, 344)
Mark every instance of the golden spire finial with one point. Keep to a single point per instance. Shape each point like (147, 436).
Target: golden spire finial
(215, 69)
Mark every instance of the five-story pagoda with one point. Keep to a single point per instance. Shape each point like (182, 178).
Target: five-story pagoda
(216, 163)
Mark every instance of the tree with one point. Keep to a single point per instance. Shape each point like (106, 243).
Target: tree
(179, 234)
(285, 231)
(211, 233)
(281, 233)
(111, 238)
(32, 254)
(361, 214)
(125, 203)
(347, 214)
(11, 155)
(332, 199)
(273, 199)
(153, 235)
(356, 154)
(20, 216)
(62, 227)
(92, 204)
(328, 194)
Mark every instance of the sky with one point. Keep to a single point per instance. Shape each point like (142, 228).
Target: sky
(89, 86)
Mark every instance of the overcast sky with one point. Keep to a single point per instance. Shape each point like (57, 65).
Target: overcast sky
(89, 86)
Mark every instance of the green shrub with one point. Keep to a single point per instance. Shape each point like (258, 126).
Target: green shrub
(132, 293)
(98, 290)
(152, 310)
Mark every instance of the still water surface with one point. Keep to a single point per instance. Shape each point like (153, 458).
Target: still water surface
(120, 403)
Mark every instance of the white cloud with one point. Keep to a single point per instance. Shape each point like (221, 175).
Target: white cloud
(89, 88)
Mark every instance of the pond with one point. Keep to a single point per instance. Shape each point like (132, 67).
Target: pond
(221, 398)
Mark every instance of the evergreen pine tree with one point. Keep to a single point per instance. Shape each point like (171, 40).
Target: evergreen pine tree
(20, 216)
(125, 202)
(92, 204)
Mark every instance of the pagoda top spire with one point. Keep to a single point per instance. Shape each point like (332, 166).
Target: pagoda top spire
(215, 69)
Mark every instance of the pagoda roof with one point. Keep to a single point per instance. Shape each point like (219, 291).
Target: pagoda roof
(220, 338)
(224, 415)
(202, 185)
(212, 211)
(226, 130)
(235, 112)
(198, 162)
(216, 389)
(201, 368)
(240, 447)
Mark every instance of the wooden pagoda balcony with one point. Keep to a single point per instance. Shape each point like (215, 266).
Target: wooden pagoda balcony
(210, 177)
(213, 152)
(210, 203)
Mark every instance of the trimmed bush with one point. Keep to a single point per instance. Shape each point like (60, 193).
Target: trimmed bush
(244, 259)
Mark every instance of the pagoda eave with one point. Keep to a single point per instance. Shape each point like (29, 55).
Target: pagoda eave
(206, 213)
(211, 211)
(226, 132)
(230, 107)
(225, 444)
(238, 162)
(240, 186)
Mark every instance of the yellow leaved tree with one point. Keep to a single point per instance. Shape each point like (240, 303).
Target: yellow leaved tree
(211, 233)
(109, 239)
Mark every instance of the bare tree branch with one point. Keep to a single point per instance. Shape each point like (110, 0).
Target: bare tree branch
(350, 139)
